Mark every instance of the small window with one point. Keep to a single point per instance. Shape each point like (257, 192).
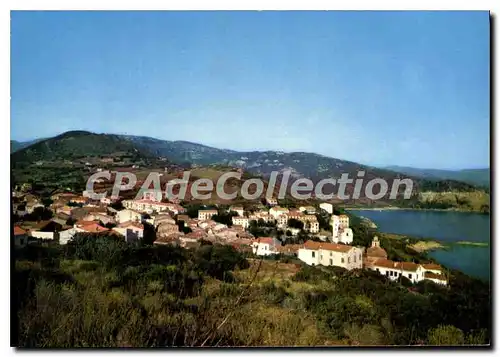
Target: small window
(313, 254)
(354, 259)
(331, 261)
(348, 260)
(342, 260)
(409, 276)
(331, 253)
(387, 273)
(378, 270)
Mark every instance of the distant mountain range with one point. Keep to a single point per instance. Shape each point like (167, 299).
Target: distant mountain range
(18, 145)
(478, 177)
(79, 144)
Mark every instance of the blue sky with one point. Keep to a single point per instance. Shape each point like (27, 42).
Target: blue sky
(379, 88)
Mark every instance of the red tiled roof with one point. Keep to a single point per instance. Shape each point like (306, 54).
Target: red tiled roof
(327, 246)
(85, 223)
(18, 231)
(432, 266)
(265, 240)
(133, 224)
(289, 248)
(385, 263)
(94, 227)
(430, 275)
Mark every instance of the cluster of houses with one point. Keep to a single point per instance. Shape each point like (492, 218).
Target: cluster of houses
(76, 214)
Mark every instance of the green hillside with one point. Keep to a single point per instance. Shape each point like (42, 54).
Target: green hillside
(478, 177)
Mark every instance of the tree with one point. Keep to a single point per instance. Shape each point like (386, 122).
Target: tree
(445, 335)
(294, 223)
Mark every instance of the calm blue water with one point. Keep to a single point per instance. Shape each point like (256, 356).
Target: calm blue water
(445, 227)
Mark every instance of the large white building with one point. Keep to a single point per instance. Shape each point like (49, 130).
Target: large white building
(331, 254)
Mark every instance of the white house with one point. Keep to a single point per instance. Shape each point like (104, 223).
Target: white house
(237, 209)
(414, 272)
(344, 221)
(204, 214)
(241, 221)
(66, 235)
(331, 254)
(271, 201)
(128, 215)
(394, 270)
(265, 246)
(328, 207)
(277, 211)
(311, 223)
(130, 230)
(307, 209)
(335, 223)
(345, 236)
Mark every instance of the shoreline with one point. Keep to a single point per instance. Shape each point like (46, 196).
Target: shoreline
(392, 208)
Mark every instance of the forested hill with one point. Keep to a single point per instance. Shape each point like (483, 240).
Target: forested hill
(78, 145)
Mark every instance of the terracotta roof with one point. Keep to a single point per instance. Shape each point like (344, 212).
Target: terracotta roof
(327, 246)
(432, 266)
(18, 231)
(265, 240)
(208, 211)
(385, 263)
(85, 223)
(196, 234)
(289, 248)
(430, 275)
(94, 227)
(133, 224)
(376, 252)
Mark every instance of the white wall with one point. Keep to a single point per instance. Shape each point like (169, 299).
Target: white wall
(353, 259)
(127, 215)
(437, 281)
(42, 235)
(263, 249)
(67, 235)
(414, 277)
(327, 207)
(346, 236)
(310, 257)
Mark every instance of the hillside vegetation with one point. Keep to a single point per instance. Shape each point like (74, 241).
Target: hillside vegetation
(61, 162)
(100, 292)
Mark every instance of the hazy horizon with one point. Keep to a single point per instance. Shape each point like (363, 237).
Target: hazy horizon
(377, 88)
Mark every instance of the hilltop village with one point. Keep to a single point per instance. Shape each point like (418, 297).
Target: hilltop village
(169, 224)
